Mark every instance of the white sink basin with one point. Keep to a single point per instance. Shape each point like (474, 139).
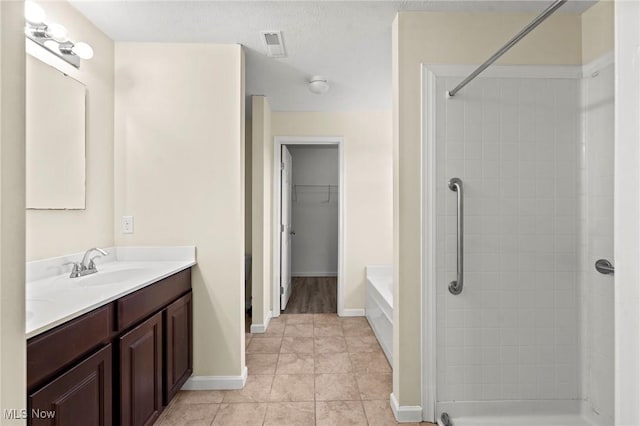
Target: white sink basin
(110, 277)
(53, 298)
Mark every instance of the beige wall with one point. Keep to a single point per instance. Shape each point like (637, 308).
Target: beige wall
(444, 38)
(179, 161)
(12, 222)
(57, 232)
(597, 31)
(262, 176)
(368, 185)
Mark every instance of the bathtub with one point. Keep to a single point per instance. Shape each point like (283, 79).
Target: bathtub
(379, 305)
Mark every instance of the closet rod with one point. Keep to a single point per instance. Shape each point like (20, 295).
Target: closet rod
(526, 30)
(315, 186)
(327, 187)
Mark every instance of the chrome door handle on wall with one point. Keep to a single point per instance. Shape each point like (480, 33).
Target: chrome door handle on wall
(604, 267)
(455, 287)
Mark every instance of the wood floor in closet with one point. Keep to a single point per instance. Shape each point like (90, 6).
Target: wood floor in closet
(313, 295)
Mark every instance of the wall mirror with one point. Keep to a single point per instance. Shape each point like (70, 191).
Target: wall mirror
(55, 138)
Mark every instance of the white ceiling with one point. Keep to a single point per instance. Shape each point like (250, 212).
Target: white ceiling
(348, 42)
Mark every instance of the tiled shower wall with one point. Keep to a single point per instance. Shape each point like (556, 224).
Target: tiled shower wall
(513, 332)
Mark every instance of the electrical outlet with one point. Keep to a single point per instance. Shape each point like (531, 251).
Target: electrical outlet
(127, 224)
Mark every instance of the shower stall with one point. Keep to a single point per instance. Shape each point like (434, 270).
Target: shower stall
(518, 323)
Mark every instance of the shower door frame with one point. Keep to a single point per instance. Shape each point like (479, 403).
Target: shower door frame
(429, 75)
(627, 213)
(429, 293)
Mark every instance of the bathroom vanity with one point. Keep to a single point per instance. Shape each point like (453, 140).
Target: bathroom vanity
(121, 362)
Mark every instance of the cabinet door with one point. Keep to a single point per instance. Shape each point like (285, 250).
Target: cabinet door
(141, 373)
(82, 396)
(179, 344)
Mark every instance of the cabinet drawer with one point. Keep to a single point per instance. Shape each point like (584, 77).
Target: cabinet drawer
(57, 349)
(139, 305)
(81, 396)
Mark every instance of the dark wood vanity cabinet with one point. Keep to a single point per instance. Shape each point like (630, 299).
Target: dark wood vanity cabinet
(56, 350)
(179, 345)
(82, 395)
(141, 373)
(119, 364)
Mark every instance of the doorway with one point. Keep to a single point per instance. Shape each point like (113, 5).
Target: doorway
(307, 228)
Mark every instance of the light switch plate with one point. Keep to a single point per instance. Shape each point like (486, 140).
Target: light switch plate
(127, 224)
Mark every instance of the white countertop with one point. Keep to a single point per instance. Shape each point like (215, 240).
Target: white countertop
(52, 298)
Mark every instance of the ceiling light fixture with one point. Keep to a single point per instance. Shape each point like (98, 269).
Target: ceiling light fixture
(53, 37)
(318, 85)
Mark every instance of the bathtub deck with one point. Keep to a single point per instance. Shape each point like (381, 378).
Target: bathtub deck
(379, 305)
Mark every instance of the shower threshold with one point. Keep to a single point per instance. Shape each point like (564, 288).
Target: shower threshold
(530, 420)
(522, 413)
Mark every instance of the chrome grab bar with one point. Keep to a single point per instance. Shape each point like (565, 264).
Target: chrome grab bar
(604, 267)
(455, 287)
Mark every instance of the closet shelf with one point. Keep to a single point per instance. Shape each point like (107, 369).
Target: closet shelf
(328, 189)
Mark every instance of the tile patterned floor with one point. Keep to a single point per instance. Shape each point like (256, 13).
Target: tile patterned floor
(307, 369)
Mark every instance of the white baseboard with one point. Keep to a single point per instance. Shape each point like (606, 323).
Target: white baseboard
(261, 328)
(352, 313)
(216, 382)
(314, 274)
(405, 413)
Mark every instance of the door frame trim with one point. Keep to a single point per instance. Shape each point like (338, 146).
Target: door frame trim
(278, 142)
(626, 214)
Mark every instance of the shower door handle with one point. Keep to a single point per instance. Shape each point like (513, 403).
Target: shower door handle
(455, 287)
(605, 267)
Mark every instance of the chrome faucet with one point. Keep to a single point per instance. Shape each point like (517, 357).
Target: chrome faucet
(80, 269)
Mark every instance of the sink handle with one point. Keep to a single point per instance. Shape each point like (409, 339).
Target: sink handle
(75, 272)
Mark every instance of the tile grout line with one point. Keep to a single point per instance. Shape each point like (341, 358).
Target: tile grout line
(316, 323)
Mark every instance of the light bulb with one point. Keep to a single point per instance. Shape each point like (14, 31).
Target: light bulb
(83, 50)
(57, 32)
(33, 12)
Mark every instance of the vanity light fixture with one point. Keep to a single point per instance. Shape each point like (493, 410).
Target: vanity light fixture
(53, 37)
(80, 49)
(318, 85)
(58, 33)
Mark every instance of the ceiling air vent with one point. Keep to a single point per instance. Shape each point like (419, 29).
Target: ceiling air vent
(273, 43)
